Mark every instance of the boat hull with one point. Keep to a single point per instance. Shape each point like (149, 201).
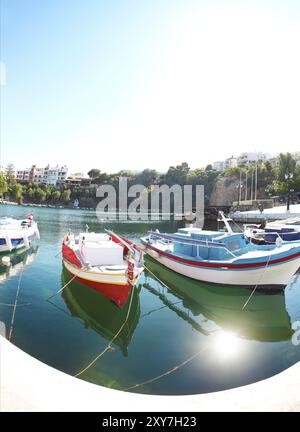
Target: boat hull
(115, 287)
(273, 276)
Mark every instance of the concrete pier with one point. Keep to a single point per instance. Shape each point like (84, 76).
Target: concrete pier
(271, 214)
(30, 385)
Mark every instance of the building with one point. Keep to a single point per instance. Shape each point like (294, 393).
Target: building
(78, 179)
(231, 162)
(249, 158)
(218, 166)
(47, 176)
(296, 155)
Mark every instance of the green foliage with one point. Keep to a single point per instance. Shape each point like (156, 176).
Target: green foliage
(271, 180)
(178, 174)
(66, 196)
(94, 173)
(3, 185)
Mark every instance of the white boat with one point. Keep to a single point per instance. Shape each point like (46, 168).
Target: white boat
(224, 258)
(103, 261)
(281, 230)
(17, 233)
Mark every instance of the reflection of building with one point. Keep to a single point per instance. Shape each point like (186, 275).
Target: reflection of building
(47, 176)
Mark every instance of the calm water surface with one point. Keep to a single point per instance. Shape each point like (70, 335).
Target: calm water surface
(200, 327)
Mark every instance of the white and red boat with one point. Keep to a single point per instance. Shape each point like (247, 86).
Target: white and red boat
(103, 261)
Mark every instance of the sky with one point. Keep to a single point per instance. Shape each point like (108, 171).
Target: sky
(134, 84)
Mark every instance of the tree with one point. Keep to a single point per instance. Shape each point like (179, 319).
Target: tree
(178, 174)
(66, 196)
(17, 191)
(94, 173)
(56, 196)
(147, 177)
(3, 185)
(40, 195)
(287, 167)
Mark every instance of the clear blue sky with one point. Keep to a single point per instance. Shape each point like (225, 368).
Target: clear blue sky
(138, 83)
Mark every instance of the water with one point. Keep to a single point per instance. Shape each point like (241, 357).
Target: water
(196, 326)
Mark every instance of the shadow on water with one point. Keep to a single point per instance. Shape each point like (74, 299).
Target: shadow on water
(264, 319)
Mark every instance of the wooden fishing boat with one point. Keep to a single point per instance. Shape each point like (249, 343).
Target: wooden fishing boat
(16, 234)
(224, 258)
(103, 261)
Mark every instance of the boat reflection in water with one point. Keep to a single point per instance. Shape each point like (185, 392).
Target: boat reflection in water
(263, 319)
(17, 261)
(100, 314)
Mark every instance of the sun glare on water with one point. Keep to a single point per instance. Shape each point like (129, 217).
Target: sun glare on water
(226, 345)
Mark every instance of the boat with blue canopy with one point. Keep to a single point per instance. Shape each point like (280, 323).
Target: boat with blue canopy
(226, 258)
(286, 230)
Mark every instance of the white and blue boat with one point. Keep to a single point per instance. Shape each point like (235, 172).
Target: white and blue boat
(225, 258)
(17, 234)
(282, 230)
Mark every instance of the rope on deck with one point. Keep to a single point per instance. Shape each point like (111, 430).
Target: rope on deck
(109, 347)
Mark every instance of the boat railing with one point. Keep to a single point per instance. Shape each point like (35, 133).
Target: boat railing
(192, 242)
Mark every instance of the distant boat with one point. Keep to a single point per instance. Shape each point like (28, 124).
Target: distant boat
(16, 234)
(285, 230)
(223, 258)
(98, 313)
(103, 261)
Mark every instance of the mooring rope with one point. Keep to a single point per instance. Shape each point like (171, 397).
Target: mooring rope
(15, 306)
(108, 347)
(168, 372)
(65, 286)
(156, 277)
(255, 288)
(158, 309)
(58, 253)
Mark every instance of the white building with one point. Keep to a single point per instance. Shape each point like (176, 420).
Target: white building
(296, 155)
(248, 158)
(231, 162)
(218, 166)
(46, 176)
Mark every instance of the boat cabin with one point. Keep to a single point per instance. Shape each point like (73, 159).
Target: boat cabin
(206, 245)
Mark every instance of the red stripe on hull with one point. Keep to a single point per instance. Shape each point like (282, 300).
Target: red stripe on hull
(223, 264)
(70, 255)
(117, 293)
